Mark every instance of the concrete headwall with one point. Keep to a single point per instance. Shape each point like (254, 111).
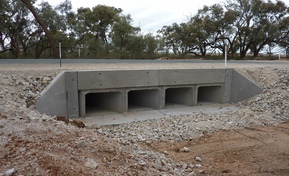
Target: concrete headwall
(77, 93)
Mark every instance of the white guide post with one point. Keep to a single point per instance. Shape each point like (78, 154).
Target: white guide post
(226, 51)
(59, 54)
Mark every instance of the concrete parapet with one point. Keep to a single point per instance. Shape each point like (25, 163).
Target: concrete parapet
(88, 80)
(191, 76)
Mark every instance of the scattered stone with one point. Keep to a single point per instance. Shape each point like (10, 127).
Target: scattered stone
(46, 80)
(90, 163)
(184, 167)
(202, 172)
(142, 163)
(32, 116)
(198, 165)
(10, 172)
(166, 152)
(191, 166)
(192, 174)
(99, 130)
(95, 126)
(81, 144)
(184, 149)
(2, 125)
(198, 159)
(158, 166)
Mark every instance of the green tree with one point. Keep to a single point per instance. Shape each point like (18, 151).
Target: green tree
(135, 47)
(151, 45)
(273, 20)
(121, 33)
(215, 27)
(283, 39)
(257, 23)
(175, 37)
(93, 25)
(29, 5)
(99, 20)
(16, 28)
(56, 20)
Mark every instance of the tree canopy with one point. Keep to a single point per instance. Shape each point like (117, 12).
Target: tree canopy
(29, 29)
(242, 25)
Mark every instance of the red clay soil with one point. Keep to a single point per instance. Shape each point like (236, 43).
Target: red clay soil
(252, 151)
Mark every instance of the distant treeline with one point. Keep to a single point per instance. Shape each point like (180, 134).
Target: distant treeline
(246, 27)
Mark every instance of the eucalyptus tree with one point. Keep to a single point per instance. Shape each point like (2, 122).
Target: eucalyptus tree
(94, 25)
(15, 28)
(77, 24)
(281, 21)
(98, 20)
(205, 27)
(121, 33)
(63, 31)
(215, 28)
(199, 35)
(56, 20)
(209, 29)
(268, 24)
(283, 39)
(5, 22)
(136, 47)
(30, 6)
(151, 45)
(174, 37)
(257, 23)
(65, 12)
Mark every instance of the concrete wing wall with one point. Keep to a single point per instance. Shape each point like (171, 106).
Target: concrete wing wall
(242, 88)
(53, 98)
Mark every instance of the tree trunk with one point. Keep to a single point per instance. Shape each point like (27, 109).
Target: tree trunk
(242, 54)
(44, 27)
(255, 53)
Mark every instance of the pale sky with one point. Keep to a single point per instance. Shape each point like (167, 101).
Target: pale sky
(150, 15)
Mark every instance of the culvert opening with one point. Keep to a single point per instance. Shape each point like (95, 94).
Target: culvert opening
(103, 102)
(179, 96)
(143, 99)
(210, 94)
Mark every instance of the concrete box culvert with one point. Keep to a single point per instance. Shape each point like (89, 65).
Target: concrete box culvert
(143, 99)
(210, 94)
(103, 102)
(95, 102)
(80, 93)
(179, 96)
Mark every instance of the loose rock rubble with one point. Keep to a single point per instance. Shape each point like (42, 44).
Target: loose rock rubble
(38, 144)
